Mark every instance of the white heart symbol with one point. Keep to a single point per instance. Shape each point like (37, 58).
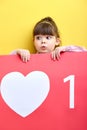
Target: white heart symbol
(24, 94)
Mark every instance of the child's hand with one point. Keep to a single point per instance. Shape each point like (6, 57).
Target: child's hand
(72, 48)
(24, 54)
(55, 55)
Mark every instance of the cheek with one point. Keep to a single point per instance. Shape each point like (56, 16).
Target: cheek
(52, 46)
(36, 44)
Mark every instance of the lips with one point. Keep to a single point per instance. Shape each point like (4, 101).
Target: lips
(43, 47)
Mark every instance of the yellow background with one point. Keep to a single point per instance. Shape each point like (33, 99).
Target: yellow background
(18, 17)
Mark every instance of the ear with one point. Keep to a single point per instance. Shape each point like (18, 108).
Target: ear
(57, 41)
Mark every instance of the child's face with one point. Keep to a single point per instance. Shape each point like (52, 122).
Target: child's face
(45, 43)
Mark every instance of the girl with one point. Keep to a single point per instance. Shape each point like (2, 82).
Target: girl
(46, 39)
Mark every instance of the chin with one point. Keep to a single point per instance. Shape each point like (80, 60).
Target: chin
(44, 52)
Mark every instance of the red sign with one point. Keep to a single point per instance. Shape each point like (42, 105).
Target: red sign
(43, 94)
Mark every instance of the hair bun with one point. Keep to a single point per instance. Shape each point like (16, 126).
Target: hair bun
(48, 19)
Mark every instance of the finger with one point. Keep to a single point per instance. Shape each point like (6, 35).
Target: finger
(58, 56)
(28, 57)
(24, 58)
(53, 55)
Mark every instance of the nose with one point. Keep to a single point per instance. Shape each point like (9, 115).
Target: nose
(43, 40)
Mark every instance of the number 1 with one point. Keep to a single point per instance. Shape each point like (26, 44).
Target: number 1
(71, 91)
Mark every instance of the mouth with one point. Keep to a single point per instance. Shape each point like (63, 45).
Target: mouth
(43, 47)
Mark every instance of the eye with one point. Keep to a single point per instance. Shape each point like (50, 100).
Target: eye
(38, 37)
(48, 37)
